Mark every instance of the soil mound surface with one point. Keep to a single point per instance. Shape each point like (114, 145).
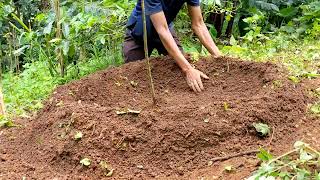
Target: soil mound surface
(178, 135)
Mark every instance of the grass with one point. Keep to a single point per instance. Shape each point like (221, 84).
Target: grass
(24, 93)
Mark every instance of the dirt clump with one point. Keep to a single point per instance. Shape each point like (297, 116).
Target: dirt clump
(180, 134)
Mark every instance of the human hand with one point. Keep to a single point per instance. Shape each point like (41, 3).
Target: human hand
(216, 53)
(193, 77)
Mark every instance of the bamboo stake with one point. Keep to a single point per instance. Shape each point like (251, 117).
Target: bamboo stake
(146, 53)
(56, 6)
(2, 106)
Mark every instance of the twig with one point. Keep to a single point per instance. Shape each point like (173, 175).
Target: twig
(243, 153)
(234, 155)
(269, 143)
(228, 67)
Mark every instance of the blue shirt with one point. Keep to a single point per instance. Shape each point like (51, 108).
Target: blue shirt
(169, 7)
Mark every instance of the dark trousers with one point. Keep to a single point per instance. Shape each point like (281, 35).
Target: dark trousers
(133, 49)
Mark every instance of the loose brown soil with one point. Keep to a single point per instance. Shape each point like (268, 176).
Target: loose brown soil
(175, 139)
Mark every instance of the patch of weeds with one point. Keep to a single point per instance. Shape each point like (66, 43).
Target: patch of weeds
(315, 108)
(300, 163)
(85, 162)
(276, 84)
(262, 129)
(6, 122)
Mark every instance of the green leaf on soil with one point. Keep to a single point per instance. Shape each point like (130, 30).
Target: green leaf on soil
(264, 155)
(304, 156)
(133, 83)
(85, 161)
(294, 79)
(228, 168)
(261, 128)
(6, 122)
(109, 174)
(78, 135)
(299, 145)
(315, 108)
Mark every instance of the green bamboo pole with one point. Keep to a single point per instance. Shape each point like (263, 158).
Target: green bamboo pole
(59, 35)
(146, 53)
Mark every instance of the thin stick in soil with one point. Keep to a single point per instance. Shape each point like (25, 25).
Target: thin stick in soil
(243, 153)
(235, 155)
(146, 53)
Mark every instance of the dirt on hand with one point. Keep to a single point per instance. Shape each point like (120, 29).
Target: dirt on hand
(135, 139)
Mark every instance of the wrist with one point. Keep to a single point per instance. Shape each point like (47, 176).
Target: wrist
(186, 68)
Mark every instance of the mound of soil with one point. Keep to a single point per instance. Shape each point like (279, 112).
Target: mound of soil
(178, 135)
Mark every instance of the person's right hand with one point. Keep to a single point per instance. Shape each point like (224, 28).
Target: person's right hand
(193, 77)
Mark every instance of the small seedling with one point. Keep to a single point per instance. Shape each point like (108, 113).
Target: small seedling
(262, 129)
(85, 162)
(78, 136)
(226, 106)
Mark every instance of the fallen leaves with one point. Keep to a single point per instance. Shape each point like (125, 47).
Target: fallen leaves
(85, 162)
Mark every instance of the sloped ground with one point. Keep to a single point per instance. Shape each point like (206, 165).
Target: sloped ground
(173, 139)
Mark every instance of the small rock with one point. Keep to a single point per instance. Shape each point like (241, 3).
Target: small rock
(180, 170)
(140, 166)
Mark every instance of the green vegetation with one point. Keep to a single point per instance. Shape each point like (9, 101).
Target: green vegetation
(300, 163)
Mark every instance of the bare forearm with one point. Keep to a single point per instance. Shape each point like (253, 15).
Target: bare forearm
(173, 50)
(205, 38)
